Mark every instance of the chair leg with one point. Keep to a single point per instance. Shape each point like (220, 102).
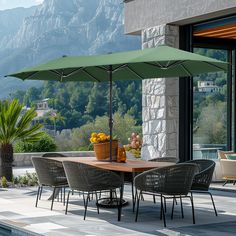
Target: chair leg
(64, 196)
(213, 203)
(58, 195)
(163, 211)
(115, 195)
(165, 204)
(191, 199)
(138, 200)
(53, 196)
(83, 198)
(97, 202)
(67, 202)
(135, 199)
(86, 205)
(142, 198)
(154, 199)
(225, 183)
(164, 207)
(132, 189)
(173, 206)
(61, 190)
(120, 205)
(181, 205)
(38, 195)
(176, 203)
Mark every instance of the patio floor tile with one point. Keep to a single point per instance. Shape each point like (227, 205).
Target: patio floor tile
(17, 205)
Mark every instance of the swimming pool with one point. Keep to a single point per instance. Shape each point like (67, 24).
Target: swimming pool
(6, 230)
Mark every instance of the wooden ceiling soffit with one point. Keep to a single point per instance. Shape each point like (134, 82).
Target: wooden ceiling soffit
(224, 31)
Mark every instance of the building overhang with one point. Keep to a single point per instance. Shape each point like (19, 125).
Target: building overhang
(142, 14)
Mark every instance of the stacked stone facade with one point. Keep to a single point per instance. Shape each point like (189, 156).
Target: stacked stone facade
(160, 101)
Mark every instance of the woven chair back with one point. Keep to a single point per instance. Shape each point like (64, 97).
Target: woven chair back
(171, 180)
(165, 159)
(53, 154)
(50, 172)
(83, 177)
(203, 179)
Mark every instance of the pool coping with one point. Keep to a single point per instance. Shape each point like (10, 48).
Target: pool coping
(17, 229)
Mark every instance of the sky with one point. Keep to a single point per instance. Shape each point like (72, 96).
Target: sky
(8, 4)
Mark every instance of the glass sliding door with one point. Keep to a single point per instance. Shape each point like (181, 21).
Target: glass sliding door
(210, 109)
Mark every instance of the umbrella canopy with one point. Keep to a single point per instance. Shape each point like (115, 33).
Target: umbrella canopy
(162, 61)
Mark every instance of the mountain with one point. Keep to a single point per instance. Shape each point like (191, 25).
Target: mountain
(55, 28)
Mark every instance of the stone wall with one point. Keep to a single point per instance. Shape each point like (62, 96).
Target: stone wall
(160, 101)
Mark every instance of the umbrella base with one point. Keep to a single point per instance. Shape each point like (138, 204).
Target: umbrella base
(111, 202)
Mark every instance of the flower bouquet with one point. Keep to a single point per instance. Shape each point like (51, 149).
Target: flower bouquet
(134, 146)
(101, 145)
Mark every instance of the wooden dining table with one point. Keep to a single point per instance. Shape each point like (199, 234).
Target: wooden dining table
(133, 167)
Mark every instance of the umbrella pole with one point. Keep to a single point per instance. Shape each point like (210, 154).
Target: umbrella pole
(110, 110)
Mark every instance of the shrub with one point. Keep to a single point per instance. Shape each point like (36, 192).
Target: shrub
(45, 144)
(4, 182)
(29, 179)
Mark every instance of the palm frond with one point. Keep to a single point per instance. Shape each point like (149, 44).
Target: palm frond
(29, 132)
(14, 125)
(25, 121)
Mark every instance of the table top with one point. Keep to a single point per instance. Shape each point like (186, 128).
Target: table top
(128, 166)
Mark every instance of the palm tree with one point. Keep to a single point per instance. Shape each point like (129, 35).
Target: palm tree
(55, 117)
(15, 125)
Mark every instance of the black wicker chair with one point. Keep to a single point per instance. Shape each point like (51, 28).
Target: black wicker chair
(88, 179)
(202, 180)
(165, 159)
(167, 182)
(53, 154)
(50, 173)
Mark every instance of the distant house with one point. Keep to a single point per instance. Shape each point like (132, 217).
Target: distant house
(207, 87)
(43, 108)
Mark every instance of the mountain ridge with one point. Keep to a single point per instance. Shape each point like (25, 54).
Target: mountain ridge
(58, 28)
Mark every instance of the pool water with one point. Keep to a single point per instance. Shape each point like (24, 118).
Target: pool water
(5, 232)
(8, 231)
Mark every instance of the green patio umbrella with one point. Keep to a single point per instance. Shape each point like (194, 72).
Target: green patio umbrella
(162, 61)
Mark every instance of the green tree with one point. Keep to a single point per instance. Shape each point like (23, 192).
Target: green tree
(32, 95)
(97, 103)
(212, 124)
(15, 126)
(81, 102)
(48, 90)
(123, 127)
(220, 81)
(56, 117)
(45, 144)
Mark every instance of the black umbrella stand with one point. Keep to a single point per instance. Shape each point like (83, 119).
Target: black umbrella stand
(110, 109)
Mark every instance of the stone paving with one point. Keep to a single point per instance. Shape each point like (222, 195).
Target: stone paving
(17, 208)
